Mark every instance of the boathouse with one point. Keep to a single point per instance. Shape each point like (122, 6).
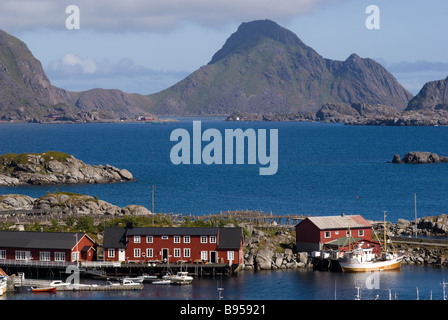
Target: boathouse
(174, 245)
(43, 247)
(314, 233)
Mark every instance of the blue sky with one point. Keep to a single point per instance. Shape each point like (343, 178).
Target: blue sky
(145, 46)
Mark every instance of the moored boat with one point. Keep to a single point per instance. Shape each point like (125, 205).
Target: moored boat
(362, 260)
(181, 277)
(45, 289)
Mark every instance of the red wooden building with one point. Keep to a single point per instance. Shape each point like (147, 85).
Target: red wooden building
(27, 246)
(174, 244)
(316, 233)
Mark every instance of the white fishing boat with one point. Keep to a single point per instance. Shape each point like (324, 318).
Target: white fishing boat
(181, 277)
(363, 259)
(138, 279)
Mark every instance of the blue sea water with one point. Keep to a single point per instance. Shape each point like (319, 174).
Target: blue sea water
(323, 169)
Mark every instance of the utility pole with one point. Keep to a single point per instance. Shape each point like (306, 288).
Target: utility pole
(415, 210)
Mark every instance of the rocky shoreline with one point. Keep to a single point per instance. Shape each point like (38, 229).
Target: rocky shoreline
(55, 168)
(264, 251)
(66, 203)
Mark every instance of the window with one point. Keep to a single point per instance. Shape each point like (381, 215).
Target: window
(230, 255)
(111, 253)
(176, 239)
(149, 252)
(149, 239)
(212, 239)
(2, 254)
(361, 233)
(347, 233)
(136, 239)
(75, 256)
(327, 234)
(44, 256)
(186, 239)
(204, 255)
(59, 256)
(137, 252)
(20, 255)
(187, 252)
(164, 237)
(176, 252)
(203, 239)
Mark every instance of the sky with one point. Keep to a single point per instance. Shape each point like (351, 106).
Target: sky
(144, 46)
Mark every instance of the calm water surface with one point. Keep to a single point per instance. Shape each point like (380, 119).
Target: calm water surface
(324, 169)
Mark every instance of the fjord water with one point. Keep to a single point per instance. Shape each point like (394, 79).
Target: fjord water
(323, 169)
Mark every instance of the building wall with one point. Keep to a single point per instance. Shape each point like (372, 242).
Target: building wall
(35, 254)
(174, 249)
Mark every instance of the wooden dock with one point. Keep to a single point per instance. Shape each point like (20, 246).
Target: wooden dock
(254, 217)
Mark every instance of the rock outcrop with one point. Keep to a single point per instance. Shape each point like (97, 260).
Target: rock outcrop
(419, 157)
(67, 203)
(55, 168)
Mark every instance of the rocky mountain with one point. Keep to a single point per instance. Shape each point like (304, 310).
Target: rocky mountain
(26, 94)
(265, 68)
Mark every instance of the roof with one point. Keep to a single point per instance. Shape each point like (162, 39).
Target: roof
(230, 238)
(37, 240)
(340, 222)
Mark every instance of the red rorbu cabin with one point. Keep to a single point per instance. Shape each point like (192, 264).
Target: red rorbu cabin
(174, 244)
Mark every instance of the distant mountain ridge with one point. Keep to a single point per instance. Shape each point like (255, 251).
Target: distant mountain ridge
(265, 68)
(26, 93)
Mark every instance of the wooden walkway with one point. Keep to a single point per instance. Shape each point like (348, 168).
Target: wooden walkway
(255, 217)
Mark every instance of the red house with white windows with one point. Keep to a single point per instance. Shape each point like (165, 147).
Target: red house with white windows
(174, 244)
(43, 247)
(334, 232)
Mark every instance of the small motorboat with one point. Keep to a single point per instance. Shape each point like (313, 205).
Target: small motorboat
(161, 281)
(44, 289)
(181, 277)
(149, 278)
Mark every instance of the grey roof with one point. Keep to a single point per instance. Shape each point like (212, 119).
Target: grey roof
(230, 238)
(114, 237)
(340, 222)
(36, 240)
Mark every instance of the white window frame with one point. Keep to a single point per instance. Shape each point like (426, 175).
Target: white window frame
(230, 255)
(203, 239)
(2, 254)
(204, 255)
(137, 252)
(177, 252)
(20, 255)
(165, 237)
(187, 252)
(176, 239)
(59, 256)
(212, 239)
(111, 253)
(327, 234)
(361, 232)
(44, 256)
(186, 239)
(137, 239)
(149, 253)
(149, 239)
(75, 256)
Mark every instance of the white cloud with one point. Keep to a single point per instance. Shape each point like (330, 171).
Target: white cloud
(147, 15)
(76, 73)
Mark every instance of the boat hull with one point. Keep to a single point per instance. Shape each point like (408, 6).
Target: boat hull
(370, 266)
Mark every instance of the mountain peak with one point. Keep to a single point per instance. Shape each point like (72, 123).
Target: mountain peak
(251, 33)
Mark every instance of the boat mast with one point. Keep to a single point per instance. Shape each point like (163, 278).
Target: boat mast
(385, 248)
(415, 210)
